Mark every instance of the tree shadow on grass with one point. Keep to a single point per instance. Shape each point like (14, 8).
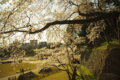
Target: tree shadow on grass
(27, 76)
(86, 54)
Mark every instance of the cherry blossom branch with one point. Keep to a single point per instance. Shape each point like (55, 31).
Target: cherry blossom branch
(59, 62)
(98, 18)
(13, 10)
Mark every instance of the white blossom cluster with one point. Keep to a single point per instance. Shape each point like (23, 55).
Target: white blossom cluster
(16, 53)
(94, 30)
(80, 40)
(61, 55)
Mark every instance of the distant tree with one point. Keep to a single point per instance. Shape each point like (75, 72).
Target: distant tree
(16, 53)
(30, 47)
(48, 46)
(29, 51)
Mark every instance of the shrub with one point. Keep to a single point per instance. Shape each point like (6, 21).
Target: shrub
(30, 52)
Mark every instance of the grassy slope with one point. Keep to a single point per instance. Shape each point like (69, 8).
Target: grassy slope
(104, 45)
(85, 71)
(7, 69)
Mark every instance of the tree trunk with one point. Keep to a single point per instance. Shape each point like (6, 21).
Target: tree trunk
(118, 27)
(74, 73)
(68, 75)
(96, 42)
(106, 37)
(38, 57)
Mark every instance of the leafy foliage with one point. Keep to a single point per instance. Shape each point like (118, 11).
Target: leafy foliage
(29, 52)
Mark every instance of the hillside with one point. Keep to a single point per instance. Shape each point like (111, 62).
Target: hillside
(103, 62)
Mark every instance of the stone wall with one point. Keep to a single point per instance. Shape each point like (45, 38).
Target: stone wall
(102, 62)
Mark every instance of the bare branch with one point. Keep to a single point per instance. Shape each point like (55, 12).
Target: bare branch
(112, 26)
(71, 15)
(72, 3)
(66, 7)
(59, 68)
(99, 5)
(59, 62)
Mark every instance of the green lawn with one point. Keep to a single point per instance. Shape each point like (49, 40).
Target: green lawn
(57, 76)
(7, 69)
(62, 75)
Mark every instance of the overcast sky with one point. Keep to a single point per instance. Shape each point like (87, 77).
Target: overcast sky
(20, 34)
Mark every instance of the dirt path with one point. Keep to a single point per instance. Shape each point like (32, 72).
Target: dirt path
(6, 78)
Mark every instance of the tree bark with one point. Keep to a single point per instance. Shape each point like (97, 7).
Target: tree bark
(74, 73)
(118, 27)
(100, 16)
(111, 25)
(96, 42)
(68, 75)
(106, 37)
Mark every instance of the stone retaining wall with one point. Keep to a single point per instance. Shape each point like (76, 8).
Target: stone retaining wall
(103, 62)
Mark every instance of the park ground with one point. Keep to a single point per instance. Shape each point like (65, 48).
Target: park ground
(6, 69)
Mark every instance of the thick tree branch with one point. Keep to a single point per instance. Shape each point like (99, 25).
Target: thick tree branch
(98, 18)
(90, 14)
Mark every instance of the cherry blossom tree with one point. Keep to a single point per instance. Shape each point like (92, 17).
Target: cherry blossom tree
(16, 53)
(31, 17)
(63, 57)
